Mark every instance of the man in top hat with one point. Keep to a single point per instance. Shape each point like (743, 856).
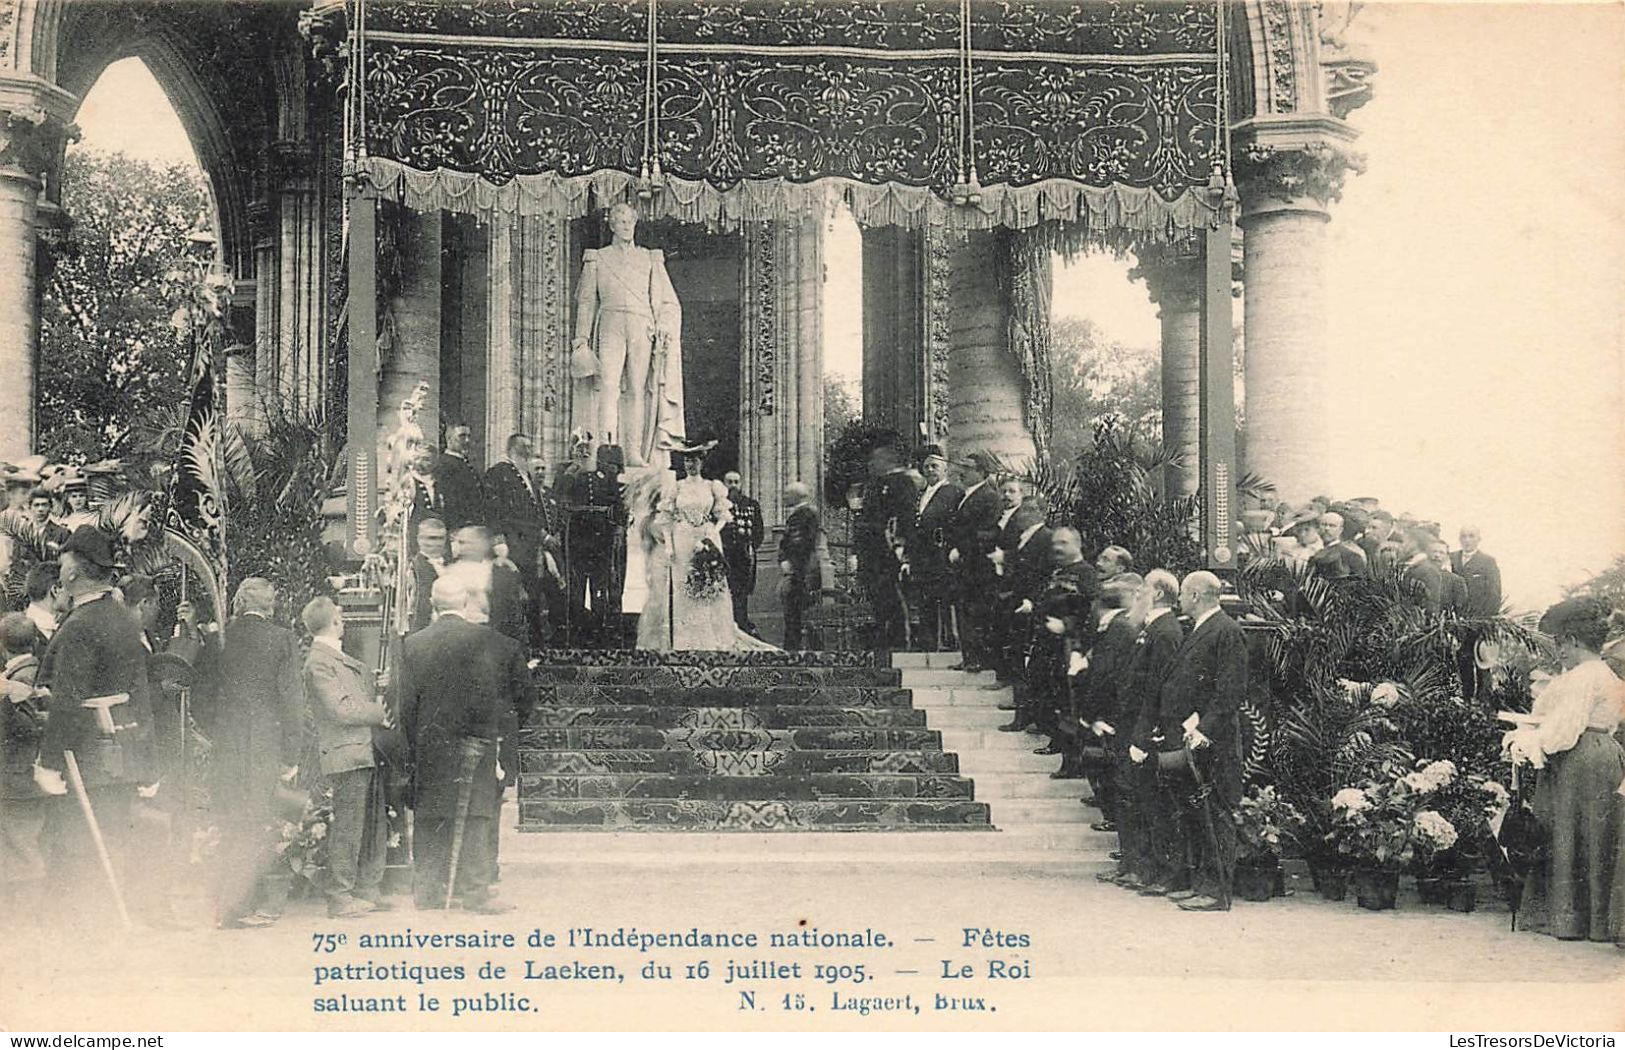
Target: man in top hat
(462, 497)
(101, 713)
(741, 537)
(972, 536)
(927, 552)
(593, 511)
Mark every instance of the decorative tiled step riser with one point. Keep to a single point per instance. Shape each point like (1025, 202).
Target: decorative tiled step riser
(807, 787)
(722, 696)
(631, 738)
(701, 658)
(794, 717)
(650, 763)
(774, 815)
(735, 677)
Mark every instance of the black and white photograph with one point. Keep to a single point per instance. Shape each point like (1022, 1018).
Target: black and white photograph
(838, 516)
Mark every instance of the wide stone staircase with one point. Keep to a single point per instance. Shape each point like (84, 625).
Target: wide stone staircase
(735, 750)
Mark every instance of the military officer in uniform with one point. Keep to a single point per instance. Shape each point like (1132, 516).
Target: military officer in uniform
(593, 510)
(1062, 609)
(100, 710)
(927, 553)
(884, 523)
(741, 536)
(972, 534)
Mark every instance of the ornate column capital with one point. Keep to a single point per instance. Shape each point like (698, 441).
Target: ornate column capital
(31, 141)
(1293, 163)
(1345, 60)
(1172, 274)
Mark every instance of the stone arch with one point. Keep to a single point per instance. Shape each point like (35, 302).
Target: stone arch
(225, 121)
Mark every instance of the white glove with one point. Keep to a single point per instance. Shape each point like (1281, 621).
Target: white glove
(1025, 607)
(953, 556)
(997, 556)
(500, 774)
(1053, 625)
(289, 774)
(1135, 755)
(1195, 740)
(1076, 663)
(1102, 729)
(49, 781)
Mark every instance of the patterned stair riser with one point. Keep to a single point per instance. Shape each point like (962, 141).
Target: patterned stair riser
(648, 763)
(715, 677)
(722, 696)
(813, 788)
(766, 815)
(625, 738)
(702, 658)
(797, 717)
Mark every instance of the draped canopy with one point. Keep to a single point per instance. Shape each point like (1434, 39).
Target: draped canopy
(1101, 113)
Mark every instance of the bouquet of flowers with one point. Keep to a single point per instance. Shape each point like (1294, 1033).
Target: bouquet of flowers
(707, 573)
(303, 844)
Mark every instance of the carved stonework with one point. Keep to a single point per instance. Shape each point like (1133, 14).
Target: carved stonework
(939, 249)
(1314, 170)
(1173, 274)
(762, 313)
(324, 26)
(1344, 62)
(31, 140)
(1283, 84)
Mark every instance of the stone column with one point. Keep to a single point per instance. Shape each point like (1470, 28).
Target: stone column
(802, 295)
(1285, 191)
(415, 356)
(1175, 282)
(31, 134)
(987, 395)
(894, 301)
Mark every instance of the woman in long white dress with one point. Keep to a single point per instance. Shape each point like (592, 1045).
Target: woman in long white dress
(675, 520)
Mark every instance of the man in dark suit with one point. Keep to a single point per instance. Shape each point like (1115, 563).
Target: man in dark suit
(1421, 576)
(428, 499)
(927, 553)
(1148, 831)
(1096, 692)
(741, 536)
(1338, 558)
(344, 697)
(1006, 639)
(1378, 530)
(501, 590)
(972, 536)
(890, 500)
(463, 683)
(801, 577)
(427, 564)
(1200, 706)
(1483, 578)
(1023, 568)
(100, 710)
(462, 496)
(258, 730)
(513, 510)
(1454, 601)
(1060, 615)
(593, 511)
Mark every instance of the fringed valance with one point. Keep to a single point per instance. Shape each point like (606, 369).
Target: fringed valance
(1096, 113)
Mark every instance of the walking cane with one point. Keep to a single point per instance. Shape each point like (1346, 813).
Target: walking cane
(78, 783)
(473, 751)
(1203, 792)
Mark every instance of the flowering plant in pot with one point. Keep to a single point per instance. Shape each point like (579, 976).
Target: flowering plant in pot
(1374, 826)
(1265, 823)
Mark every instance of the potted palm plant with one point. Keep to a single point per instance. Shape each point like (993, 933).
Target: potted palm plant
(1265, 823)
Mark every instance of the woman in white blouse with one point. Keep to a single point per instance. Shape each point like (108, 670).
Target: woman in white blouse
(1578, 891)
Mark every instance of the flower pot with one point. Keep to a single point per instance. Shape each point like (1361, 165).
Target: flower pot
(1255, 878)
(1433, 889)
(1375, 889)
(1330, 881)
(1278, 887)
(1461, 895)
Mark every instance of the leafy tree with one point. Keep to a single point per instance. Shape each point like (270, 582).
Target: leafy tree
(841, 407)
(1093, 377)
(111, 368)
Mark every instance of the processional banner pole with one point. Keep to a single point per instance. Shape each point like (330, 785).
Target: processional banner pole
(1218, 392)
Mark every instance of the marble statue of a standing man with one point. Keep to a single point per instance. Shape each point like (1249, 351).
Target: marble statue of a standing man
(629, 343)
